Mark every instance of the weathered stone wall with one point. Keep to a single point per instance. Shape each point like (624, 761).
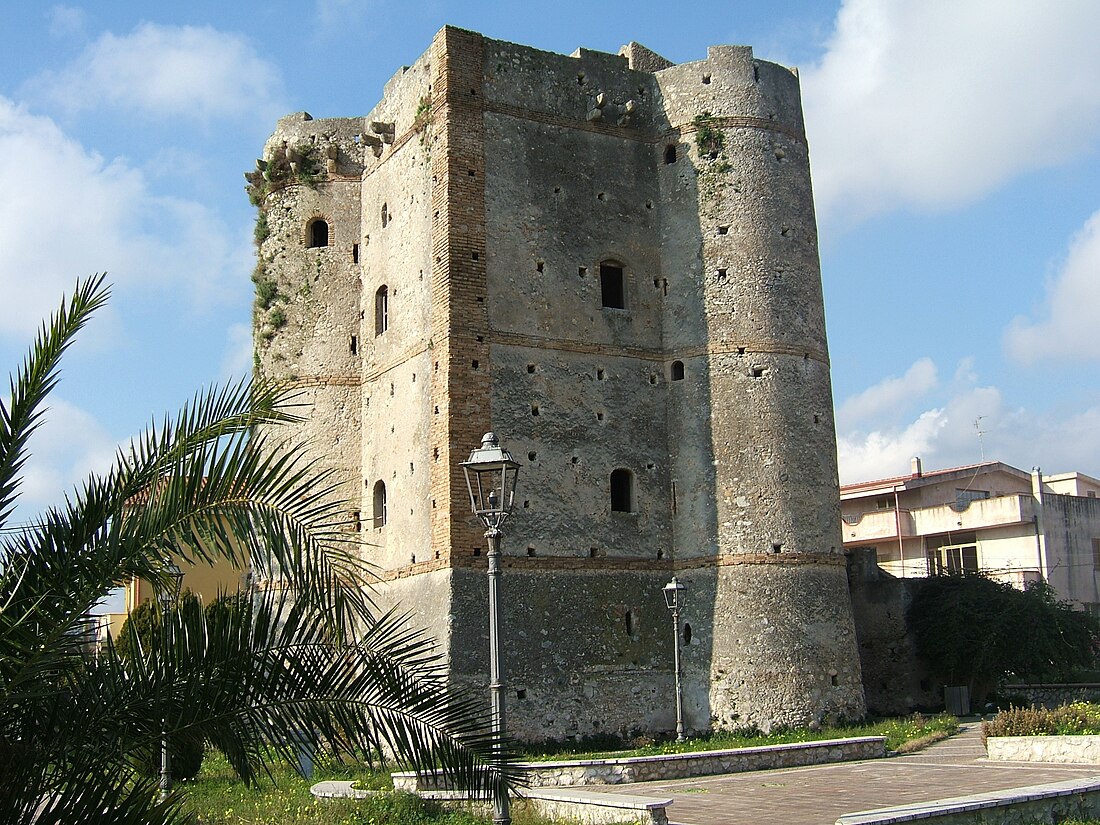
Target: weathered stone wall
(1052, 695)
(894, 678)
(305, 332)
(493, 181)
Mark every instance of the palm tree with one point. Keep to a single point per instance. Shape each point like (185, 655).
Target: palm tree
(309, 660)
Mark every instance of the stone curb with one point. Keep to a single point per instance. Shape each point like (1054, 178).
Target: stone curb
(1075, 797)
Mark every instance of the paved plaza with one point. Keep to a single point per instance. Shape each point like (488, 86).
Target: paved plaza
(819, 794)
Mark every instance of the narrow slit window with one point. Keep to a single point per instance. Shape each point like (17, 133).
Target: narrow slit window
(379, 504)
(622, 491)
(318, 233)
(670, 153)
(612, 285)
(381, 310)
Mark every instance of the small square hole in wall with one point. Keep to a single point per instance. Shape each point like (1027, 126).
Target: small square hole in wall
(530, 551)
(721, 274)
(477, 551)
(527, 504)
(740, 350)
(600, 196)
(817, 418)
(481, 299)
(593, 552)
(650, 466)
(656, 283)
(580, 80)
(706, 79)
(531, 456)
(653, 379)
(600, 375)
(472, 173)
(534, 409)
(649, 204)
(539, 267)
(660, 554)
(777, 548)
(530, 369)
(582, 271)
(521, 693)
(557, 190)
(599, 416)
(723, 230)
(758, 372)
(475, 256)
(475, 363)
(574, 460)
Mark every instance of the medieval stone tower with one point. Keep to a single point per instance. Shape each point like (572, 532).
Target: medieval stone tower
(610, 261)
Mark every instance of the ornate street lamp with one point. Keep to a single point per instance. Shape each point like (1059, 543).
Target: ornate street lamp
(674, 601)
(491, 475)
(168, 593)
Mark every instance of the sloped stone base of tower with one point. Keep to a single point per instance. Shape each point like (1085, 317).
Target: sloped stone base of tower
(785, 651)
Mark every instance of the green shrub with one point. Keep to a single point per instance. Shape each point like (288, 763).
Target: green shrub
(1079, 718)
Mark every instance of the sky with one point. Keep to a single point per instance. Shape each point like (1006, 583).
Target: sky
(955, 153)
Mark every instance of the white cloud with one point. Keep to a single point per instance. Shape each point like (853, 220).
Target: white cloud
(889, 395)
(177, 71)
(946, 435)
(932, 103)
(68, 446)
(76, 214)
(66, 20)
(1072, 312)
(970, 423)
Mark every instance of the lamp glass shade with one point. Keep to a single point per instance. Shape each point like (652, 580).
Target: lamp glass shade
(674, 594)
(491, 475)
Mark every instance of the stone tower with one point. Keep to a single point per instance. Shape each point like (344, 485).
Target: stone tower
(611, 261)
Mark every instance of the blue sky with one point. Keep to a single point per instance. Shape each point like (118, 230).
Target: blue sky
(955, 149)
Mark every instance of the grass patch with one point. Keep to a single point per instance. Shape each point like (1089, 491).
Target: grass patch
(900, 733)
(217, 797)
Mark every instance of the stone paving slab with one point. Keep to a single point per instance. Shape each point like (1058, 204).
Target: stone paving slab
(820, 794)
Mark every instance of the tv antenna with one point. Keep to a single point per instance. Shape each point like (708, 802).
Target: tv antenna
(981, 433)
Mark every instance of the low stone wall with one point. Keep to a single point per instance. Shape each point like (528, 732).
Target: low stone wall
(1056, 802)
(1068, 749)
(582, 806)
(1053, 695)
(679, 765)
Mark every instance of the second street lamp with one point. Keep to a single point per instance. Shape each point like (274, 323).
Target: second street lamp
(491, 475)
(674, 601)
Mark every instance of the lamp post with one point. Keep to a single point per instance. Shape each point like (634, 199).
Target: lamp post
(168, 593)
(491, 475)
(674, 600)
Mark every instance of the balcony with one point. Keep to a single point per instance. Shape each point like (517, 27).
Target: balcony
(879, 525)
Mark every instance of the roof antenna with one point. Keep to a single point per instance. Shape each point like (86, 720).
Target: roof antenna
(981, 433)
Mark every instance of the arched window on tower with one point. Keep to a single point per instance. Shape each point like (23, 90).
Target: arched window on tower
(670, 153)
(612, 285)
(379, 504)
(381, 310)
(622, 491)
(677, 371)
(318, 232)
